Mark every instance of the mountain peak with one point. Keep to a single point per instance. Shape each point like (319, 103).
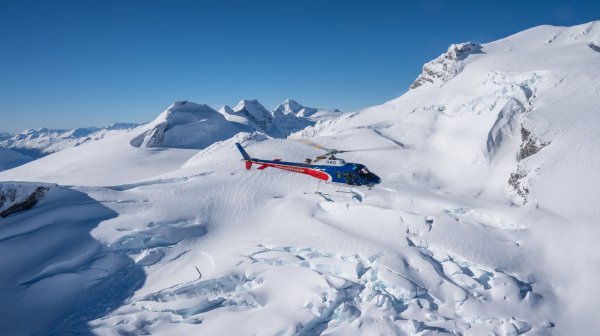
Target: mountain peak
(255, 112)
(226, 109)
(289, 106)
(185, 125)
(447, 65)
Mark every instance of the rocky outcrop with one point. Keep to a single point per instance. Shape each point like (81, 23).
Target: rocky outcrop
(530, 144)
(519, 179)
(18, 197)
(447, 65)
(518, 182)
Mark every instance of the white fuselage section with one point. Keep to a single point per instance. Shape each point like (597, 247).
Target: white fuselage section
(333, 162)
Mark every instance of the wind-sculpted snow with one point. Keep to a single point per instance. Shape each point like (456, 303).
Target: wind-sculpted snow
(395, 273)
(55, 277)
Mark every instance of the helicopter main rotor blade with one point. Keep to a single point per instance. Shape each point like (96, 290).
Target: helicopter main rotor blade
(315, 145)
(371, 149)
(335, 151)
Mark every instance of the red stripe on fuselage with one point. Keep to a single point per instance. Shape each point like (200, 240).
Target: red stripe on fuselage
(302, 170)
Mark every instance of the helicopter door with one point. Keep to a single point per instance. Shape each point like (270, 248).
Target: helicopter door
(350, 178)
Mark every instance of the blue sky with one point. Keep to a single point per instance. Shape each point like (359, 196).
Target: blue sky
(77, 63)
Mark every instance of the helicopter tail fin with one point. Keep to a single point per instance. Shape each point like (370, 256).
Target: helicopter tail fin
(245, 155)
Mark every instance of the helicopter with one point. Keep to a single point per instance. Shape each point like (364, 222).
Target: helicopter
(332, 169)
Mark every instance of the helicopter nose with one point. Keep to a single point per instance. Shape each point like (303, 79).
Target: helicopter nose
(376, 180)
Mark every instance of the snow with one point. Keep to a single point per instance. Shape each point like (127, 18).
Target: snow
(186, 125)
(186, 241)
(48, 287)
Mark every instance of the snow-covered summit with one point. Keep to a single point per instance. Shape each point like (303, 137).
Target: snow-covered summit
(546, 37)
(257, 115)
(541, 39)
(225, 109)
(446, 66)
(186, 125)
(292, 107)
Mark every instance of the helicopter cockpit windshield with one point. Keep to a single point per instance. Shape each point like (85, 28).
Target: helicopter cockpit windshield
(363, 172)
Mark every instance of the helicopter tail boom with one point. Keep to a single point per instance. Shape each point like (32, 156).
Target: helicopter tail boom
(247, 157)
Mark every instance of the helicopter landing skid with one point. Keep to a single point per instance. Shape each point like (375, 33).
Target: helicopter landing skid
(342, 193)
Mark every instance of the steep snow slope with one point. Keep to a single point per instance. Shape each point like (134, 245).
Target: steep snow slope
(445, 245)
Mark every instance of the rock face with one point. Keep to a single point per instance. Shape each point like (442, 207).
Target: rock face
(530, 145)
(15, 197)
(519, 179)
(446, 66)
(186, 125)
(519, 183)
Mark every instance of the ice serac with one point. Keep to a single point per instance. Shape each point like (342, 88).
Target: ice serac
(446, 66)
(186, 125)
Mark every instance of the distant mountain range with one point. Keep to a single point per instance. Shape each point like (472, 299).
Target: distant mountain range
(182, 125)
(189, 125)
